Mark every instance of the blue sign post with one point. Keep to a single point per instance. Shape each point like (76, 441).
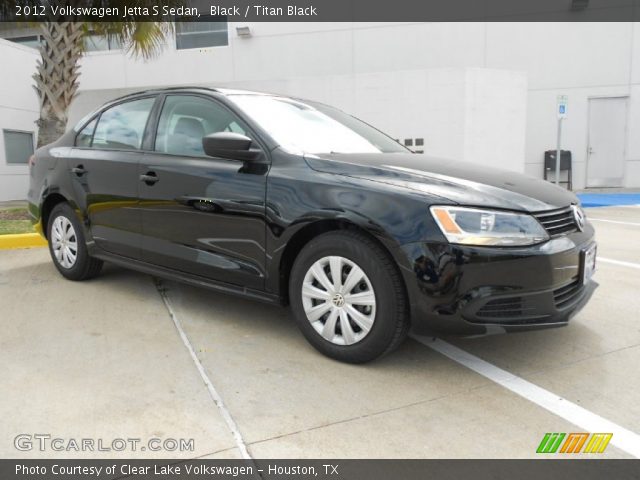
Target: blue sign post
(562, 114)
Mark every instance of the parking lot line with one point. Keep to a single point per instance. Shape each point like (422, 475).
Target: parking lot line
(217, 399)
(623, 438)
(618, 262)
(635, 224)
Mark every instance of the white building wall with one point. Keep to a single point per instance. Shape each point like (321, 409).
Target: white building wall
(581, 60)
(632, 173)
(18, 111)
(344, 63)
(495, 118)
(470, 114)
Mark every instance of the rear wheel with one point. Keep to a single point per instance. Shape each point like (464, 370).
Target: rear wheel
(347, 297)
(67, 245)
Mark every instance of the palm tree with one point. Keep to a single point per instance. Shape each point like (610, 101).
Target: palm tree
(63, 44)
(58, 70)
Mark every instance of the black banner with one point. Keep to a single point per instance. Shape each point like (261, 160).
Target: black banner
(320, 10)
(542, 469)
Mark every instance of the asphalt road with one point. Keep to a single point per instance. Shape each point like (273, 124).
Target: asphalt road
(122, 357)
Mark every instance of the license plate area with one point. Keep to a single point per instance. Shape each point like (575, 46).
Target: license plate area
(588, 263)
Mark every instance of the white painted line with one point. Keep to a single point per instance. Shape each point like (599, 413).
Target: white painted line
(217, 399)
(624, 439)
(618, 262)
(635, 224)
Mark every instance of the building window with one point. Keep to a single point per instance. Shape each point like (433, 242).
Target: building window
(18, 146)
(202, 34)
(99, 43)
(92, 42)
(32, 41)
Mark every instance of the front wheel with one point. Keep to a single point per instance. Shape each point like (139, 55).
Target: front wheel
(348, 298)
(67, 245)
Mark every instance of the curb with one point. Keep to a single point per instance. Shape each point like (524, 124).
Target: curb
(24, 240)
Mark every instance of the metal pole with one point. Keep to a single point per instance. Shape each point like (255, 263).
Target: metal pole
(558, 151)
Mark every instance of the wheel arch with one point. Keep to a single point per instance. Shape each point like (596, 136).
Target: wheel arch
(310, 231)
(48, 205)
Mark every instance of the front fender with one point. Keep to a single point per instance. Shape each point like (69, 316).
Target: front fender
(297, 199)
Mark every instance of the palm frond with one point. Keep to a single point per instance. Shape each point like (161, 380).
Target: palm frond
(140, 39)
(58, 71)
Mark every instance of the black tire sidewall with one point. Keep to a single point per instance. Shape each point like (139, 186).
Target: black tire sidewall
(369, 260)
(78, 270)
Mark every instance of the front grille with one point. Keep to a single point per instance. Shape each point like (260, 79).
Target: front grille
(501, 308)
(510, 311)
(567, 295)
(528, 308)
(558, 222)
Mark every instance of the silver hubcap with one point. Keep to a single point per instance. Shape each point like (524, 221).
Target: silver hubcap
(64, 242)
(339, 300)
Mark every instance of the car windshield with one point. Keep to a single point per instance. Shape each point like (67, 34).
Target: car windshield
(308, 127)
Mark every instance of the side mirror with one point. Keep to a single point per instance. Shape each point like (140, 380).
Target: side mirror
(233, 146)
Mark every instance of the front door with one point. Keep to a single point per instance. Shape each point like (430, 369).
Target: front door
(201, 215)
(607, 137)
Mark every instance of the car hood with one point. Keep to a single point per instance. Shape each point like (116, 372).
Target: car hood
(459, 182)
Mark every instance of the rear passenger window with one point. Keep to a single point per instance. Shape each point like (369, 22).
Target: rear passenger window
(186, 119)
(122, 126)
(86, 134)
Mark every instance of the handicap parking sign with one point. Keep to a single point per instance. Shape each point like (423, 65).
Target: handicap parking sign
(562, 106)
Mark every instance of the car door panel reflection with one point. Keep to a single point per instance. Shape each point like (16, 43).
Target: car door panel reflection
(107, 196)
(195, 204)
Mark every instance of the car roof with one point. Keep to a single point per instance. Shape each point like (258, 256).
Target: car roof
(222, 91)
(188, 89)
(200, 89)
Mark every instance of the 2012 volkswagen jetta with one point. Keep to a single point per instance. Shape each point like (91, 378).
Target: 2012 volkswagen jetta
(294, 202)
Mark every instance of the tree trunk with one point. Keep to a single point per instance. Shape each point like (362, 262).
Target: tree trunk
(57, 76)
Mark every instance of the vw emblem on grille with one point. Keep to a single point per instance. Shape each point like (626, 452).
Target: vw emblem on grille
(578, 215)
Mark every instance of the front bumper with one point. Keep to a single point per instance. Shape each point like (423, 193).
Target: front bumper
(468, 291)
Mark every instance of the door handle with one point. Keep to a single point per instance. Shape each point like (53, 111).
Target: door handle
(590, 150)
(79, 170)
(149, 178)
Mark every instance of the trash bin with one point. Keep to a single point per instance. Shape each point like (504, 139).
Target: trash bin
(565, 166)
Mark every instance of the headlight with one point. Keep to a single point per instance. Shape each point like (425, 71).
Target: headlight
(473, 226)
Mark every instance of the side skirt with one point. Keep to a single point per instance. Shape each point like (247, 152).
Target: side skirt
(189, 279)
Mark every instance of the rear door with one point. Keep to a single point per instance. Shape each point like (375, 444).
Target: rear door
(202, 215)
(104, 170)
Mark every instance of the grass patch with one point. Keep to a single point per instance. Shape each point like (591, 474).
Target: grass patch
(15, 220)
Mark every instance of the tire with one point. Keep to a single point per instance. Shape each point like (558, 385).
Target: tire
(376, 320)
(66, 236)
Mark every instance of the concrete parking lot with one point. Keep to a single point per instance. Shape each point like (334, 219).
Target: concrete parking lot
(123, 356)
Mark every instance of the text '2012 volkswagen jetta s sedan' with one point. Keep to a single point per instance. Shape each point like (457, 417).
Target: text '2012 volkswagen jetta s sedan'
(294, 202)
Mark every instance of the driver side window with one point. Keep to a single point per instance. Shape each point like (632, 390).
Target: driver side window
(186, 119)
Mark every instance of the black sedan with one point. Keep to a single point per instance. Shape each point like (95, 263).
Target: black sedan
(294, 202)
